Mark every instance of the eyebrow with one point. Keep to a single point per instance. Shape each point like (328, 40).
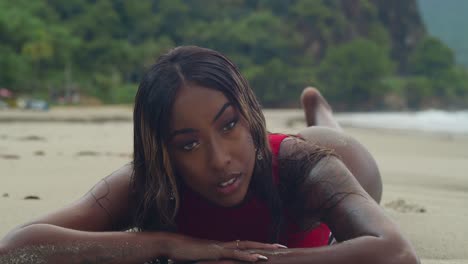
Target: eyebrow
(220, 112)
(191, 130)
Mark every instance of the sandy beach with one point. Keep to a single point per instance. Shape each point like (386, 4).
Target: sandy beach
(49, 159)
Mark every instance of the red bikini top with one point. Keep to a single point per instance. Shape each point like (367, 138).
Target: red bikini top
(249, 221)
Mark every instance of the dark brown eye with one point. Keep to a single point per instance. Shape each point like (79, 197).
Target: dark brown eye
(190, 146)
(230, 125)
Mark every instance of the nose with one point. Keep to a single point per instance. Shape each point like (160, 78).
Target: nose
(220, 157)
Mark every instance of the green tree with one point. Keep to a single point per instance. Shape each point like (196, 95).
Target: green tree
(418, 91)
(352, 73)
(431, 57)
(102, 47)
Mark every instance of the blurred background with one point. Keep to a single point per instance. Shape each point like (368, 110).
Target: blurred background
(363, 54)
(394, 71)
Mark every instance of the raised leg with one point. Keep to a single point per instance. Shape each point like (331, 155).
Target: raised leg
(322, 129)
(317, 110)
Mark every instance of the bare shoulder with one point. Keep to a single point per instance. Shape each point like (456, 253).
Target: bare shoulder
(306, 182)
(320, 138)
(350, 151)
(106, 206)
(325, 190)
(322, 172)
(327, 137)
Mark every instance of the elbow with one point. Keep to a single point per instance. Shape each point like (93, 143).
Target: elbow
(406, 256)
(3, 249)
(11, 241)
(19, 237)
(11, 246)
(400, 251)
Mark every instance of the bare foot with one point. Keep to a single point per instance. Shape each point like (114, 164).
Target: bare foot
(317, 110)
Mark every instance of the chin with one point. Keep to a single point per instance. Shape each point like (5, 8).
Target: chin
(234, 200)
(229, 203)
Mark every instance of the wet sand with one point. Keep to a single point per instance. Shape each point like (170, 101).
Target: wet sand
(49, 159)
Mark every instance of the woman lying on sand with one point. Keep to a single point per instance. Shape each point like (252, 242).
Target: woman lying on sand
(208, 183)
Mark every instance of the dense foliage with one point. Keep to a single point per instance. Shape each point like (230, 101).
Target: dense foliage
(100, 49)
(448, 20)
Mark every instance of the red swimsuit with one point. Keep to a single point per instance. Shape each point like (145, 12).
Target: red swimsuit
(249, 221)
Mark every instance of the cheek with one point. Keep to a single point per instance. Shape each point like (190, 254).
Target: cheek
(246, 148)
(245, 134)
(250, 141)
(250, 145)
(187, 170)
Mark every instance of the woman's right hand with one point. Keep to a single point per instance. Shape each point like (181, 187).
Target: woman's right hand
(183, 248)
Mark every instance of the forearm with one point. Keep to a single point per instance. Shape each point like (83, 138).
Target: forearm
(365, 249)
(41, 243)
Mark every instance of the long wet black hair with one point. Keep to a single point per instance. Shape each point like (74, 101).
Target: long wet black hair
(154, 182)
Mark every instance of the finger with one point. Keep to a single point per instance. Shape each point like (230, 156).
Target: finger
(258, 245)
(243, 245)
(242, 255)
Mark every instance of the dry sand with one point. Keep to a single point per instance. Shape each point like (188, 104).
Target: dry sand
(425, 175)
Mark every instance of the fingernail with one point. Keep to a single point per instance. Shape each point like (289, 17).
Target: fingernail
(281, 246)
(262, 257)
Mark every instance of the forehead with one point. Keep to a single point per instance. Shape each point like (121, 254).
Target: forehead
(195, 103)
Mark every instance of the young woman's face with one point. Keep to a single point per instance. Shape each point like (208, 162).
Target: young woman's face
(210, 145)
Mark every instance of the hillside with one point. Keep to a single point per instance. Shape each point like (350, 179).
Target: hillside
(364, 54)
(448, 21)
